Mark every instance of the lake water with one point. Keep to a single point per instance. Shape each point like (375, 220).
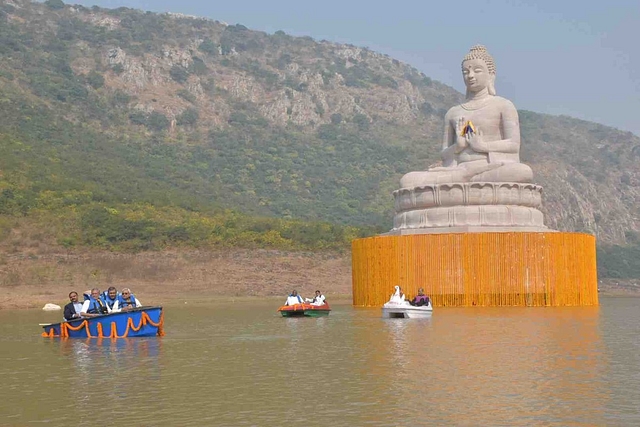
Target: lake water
(244, 365)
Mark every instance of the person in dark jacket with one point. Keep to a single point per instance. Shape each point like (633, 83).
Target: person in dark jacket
(420, 299)
(73, 309)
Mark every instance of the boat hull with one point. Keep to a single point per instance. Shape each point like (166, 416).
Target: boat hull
(402, 311)
(304, 310)
(139, 322)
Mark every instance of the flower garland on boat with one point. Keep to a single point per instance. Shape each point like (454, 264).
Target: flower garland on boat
(65, 327)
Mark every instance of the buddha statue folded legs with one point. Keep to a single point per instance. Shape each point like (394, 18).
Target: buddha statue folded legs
(474, 171)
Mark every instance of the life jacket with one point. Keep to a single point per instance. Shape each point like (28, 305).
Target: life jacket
(97, 306)
(124, 303)
(294, 299)
(420, 298)
(110, 302)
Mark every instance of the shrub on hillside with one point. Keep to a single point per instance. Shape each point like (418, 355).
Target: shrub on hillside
(187, 117)
(179, 73)
(157, 122)
(54, 4)
(95, 80)
(209, 47)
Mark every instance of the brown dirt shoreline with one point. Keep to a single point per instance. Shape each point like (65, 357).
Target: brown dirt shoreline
(30, 280)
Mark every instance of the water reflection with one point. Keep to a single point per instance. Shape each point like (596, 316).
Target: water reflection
(527, 365)
(112, 368)
(110, 355)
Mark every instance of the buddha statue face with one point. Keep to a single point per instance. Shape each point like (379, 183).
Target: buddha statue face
(479, 71)
(476, 75)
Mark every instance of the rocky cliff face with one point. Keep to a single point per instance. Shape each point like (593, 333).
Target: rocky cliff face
(205, 76)
(590, 173)
(290, 85)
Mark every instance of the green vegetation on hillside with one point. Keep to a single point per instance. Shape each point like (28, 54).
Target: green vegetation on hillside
(620, 262)
(138, 227)
(129, 195)
(89, 136)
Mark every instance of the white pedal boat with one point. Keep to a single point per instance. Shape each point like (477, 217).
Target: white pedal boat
(404, 310)
(398, 307)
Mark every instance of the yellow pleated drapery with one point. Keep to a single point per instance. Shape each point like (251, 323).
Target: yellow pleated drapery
(478, 269)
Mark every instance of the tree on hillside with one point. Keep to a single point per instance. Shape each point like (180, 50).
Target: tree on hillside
(95, 80)
(157, 121)
(179, 73)
(55, 4)
(188, 117)
(209, 47)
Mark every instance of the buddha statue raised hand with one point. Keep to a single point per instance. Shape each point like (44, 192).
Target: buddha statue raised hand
(481, 135)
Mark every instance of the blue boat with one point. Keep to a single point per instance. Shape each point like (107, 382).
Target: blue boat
(139, 322)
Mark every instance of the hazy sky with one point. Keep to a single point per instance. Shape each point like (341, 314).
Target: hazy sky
(577, 58)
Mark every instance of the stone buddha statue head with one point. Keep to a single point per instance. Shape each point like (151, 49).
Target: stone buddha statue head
(479, 71)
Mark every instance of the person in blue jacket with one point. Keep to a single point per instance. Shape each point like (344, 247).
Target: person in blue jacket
(126, 301)
(294, 298)
(94, 306)
(110, 297)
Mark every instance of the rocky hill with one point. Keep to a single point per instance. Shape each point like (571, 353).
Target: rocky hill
(125, 105)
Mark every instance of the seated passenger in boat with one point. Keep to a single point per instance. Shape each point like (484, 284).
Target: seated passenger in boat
(294, 298)
(74, 308)
(317, 300)
(94, 306)
(420, 299)
(398, 295)
(110, 297)
(126, 301)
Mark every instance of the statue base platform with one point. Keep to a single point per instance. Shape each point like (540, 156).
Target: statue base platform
(468, 229)
(478, 268)
(470, 207)
(480, 217)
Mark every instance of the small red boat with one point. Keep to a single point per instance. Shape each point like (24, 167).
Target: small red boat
(305, 309)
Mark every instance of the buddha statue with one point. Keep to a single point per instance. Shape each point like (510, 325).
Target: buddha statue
(481, 135)
(481, 185)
